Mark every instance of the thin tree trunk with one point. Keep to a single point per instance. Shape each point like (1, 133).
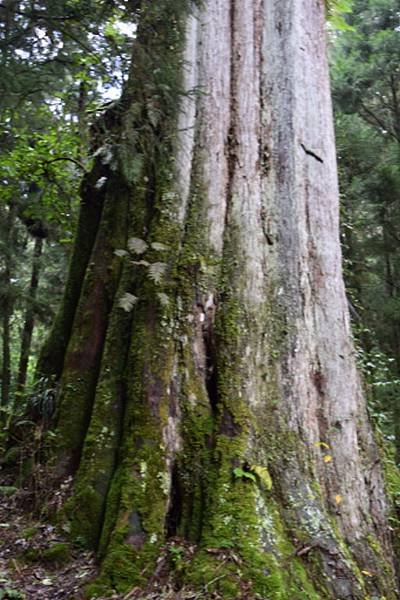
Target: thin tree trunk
(7, 305)
(6, 370)
(29, 322)
(222, 406)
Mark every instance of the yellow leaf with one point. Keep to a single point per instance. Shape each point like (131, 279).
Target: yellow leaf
(327, 458)
(338, 498)
(321, 445)
(367, 573)
(263, 475)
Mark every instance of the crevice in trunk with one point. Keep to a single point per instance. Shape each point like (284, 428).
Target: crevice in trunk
(311, 153)
(211, 374)
(174, 515)
(122, 398)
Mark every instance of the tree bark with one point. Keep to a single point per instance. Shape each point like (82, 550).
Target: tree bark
(224, 408)
(29, 322)
(51, 359)
(7, 304)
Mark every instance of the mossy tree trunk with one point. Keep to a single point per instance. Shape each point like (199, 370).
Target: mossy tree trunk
(29, 321)
(222, 405)
(7, 302)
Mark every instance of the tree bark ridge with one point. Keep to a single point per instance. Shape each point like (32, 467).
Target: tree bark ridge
(235, 368)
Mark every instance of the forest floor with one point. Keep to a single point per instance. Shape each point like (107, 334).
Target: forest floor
(37, 562)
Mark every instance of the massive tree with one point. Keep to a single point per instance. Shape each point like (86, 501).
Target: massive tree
(208, 386)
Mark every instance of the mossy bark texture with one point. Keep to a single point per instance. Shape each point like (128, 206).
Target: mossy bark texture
(223, 410)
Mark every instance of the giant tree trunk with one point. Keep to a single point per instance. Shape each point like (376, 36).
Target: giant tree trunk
(225, 407)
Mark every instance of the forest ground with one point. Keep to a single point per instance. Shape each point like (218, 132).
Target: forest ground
(27, 568)
(38, 562)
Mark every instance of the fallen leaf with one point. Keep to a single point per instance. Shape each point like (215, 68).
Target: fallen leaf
(338, 498)
(367, 573)
(327, 458)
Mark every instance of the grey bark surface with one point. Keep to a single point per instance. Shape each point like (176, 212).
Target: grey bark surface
(249, 363)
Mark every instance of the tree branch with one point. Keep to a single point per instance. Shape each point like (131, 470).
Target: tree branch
(68, 158)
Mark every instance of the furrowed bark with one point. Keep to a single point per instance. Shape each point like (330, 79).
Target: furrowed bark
(225, 408)
(51, 359)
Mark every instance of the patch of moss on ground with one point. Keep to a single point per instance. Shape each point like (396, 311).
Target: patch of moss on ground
(29, 532)
(30, 555)
(57, 554)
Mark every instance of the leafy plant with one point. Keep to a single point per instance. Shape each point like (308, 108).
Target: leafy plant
(336, 9)
(127, 301)
(254, 473)
(177, 556)
(241, 474)
(137, 245)
(157, 271)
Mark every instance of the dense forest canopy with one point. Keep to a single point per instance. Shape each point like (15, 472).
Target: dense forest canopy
(180, 377)
(365, 74)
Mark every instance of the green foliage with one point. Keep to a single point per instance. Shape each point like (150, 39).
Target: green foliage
(366, 92)
(60, 61)
(241, 474)
(381, 383)
(8, 590)
(40, 171)
(254, 472)
(9, 593)
(336, 9)
(57, 554)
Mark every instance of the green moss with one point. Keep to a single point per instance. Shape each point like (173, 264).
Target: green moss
(12, 456)
(83, 511)
(8, 490)
(82, 362)
(57, 554)
(96, 589)
(228, 569)
(31, 555)
(392, 479)
(29, 532)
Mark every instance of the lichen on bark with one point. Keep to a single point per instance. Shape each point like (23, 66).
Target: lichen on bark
(225, 409)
